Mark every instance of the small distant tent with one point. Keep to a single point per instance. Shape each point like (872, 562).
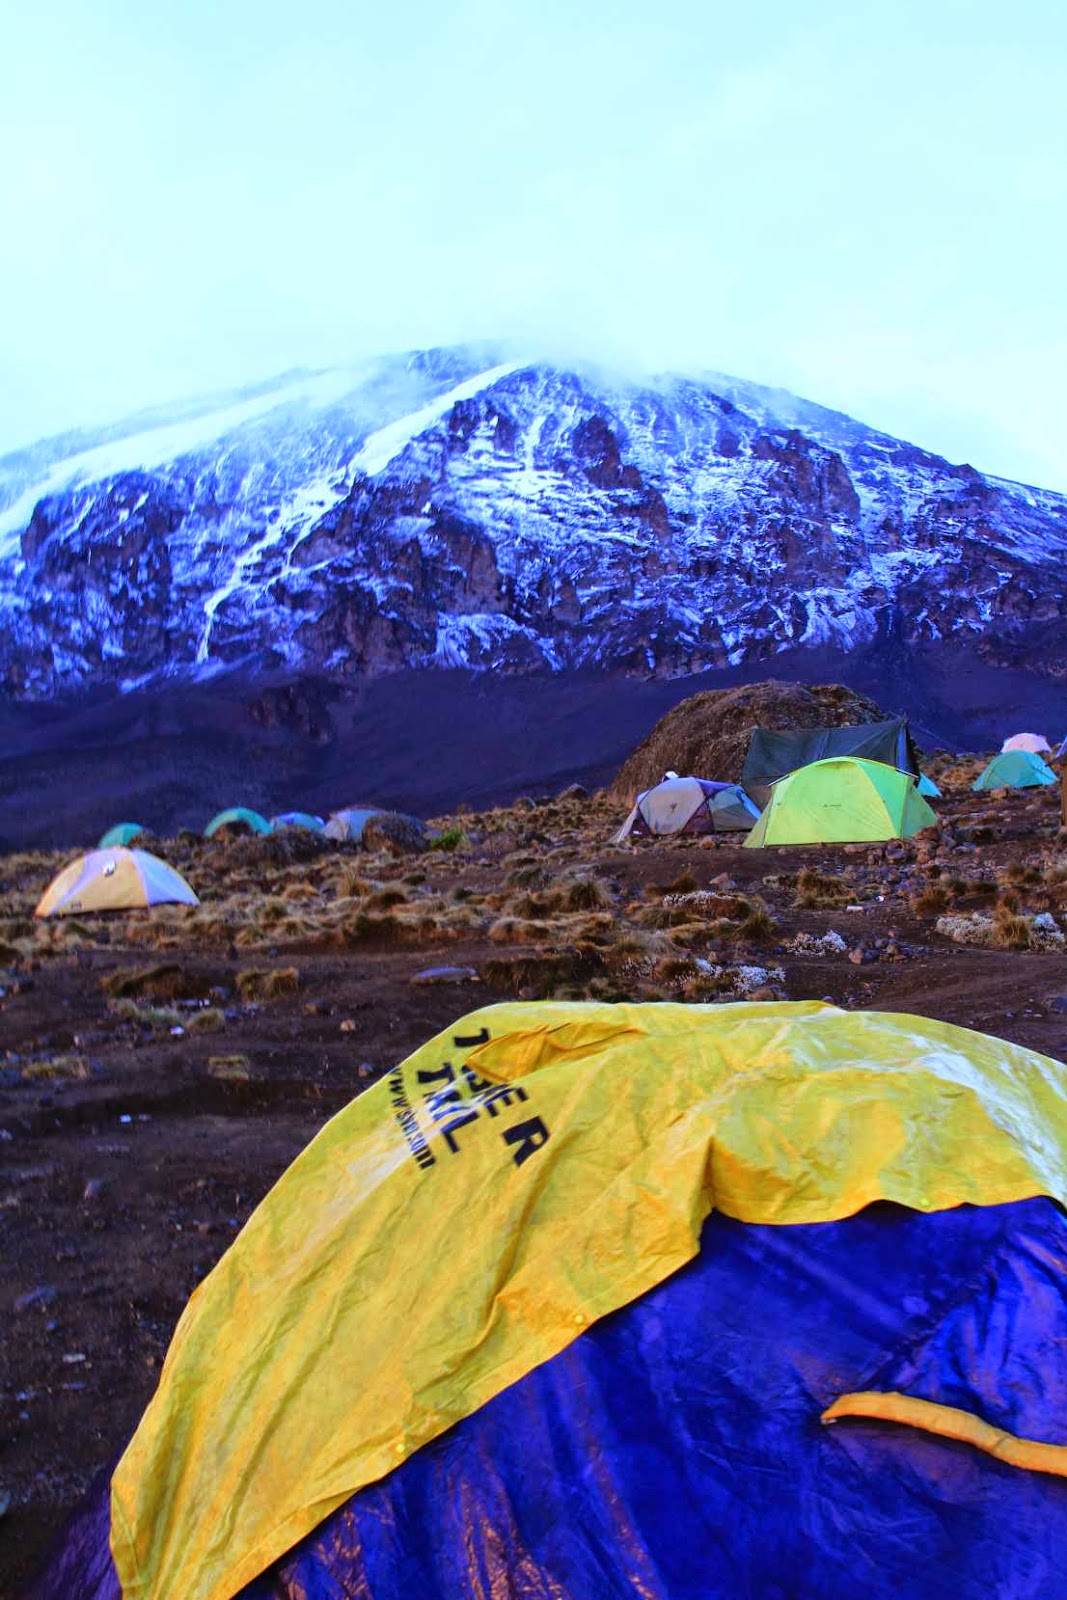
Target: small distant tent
(240, 818)
(123, 833)
(1014, 769)
(775, 752)
(347, 826)
(299, 819)
(689, 805)
(772, 1294)
(1036, 743)
(842, 801)
(926, 786)
(114, 880)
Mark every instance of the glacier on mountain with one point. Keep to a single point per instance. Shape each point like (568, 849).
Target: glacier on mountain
(457, 508)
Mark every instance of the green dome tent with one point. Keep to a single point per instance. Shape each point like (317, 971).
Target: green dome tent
(123, 833)
(842, 801)
(238, 817)
(1014, 769)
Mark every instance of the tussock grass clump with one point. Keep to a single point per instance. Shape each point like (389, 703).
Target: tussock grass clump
(267, 983)
(385, 899)
(390, 928)
(518, 930)
(584, 892)
(817, 890)
(758, 926)
(164, 981)
(539, 976)
(72, 1069)
(229, 1069)
(535, 905)
(160, 1019)
(450, 839)
(1023, 872)
(209, 1020)
(931, 901)
(1011, 930)
(353, 882)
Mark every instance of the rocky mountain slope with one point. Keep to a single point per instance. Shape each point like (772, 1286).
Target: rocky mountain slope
(455, 508)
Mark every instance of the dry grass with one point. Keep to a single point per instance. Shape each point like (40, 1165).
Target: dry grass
(817, 890)
(164, 981)
(267, 983)
(931, 901)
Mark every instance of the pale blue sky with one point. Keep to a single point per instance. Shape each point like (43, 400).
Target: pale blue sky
(864, 202)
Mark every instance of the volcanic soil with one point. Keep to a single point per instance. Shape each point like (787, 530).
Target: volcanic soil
(158, 1070)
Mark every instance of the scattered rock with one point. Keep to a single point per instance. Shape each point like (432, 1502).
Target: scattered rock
(93, 1189)
(445, 975)
(818, 944)
(43, 1295)
(348, 1026)
(395, 832)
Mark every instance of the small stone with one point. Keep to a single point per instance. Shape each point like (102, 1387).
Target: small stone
(43, 1295)
(446, 975)
(348, 1026)
(94, 1189)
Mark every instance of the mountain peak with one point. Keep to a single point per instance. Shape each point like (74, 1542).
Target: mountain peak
(465, 506)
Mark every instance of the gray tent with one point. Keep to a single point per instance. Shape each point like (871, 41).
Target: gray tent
(775, 752)
(689, 805)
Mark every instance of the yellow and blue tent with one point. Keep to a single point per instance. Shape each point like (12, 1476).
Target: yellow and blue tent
(114, 880)
(590, 1301)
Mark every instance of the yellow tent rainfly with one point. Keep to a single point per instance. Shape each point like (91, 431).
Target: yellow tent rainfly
(114, 880)
(556, 1307)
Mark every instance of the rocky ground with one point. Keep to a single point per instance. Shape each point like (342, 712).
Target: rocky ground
(159, 1070)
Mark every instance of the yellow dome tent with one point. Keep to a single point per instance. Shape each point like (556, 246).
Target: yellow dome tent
(114, 880)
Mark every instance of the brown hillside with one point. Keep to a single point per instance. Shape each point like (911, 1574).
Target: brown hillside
(707, 736)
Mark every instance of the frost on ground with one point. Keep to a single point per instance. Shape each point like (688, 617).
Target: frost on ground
(825, 944)
(1040, 932)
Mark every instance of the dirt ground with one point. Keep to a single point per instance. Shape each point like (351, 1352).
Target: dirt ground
(159, 1070)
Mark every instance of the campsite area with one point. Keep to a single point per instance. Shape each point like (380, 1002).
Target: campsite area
(161, 1068)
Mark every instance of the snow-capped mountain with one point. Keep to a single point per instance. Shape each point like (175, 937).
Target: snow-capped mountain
(459, 508)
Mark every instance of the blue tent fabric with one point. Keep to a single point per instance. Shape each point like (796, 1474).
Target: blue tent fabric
(675, 1450)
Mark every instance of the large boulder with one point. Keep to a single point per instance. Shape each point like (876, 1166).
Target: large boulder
(396, 832)
(707, 736)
